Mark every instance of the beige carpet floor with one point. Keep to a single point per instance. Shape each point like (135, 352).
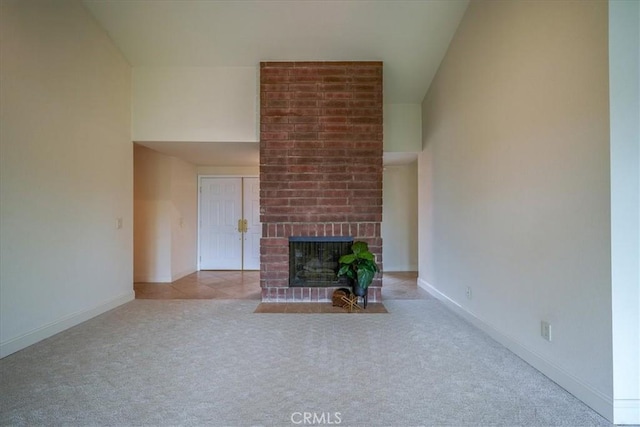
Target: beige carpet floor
(216, 363)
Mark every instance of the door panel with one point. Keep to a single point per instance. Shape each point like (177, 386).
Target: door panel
(251, 250)
(220, 210)
(224, 245)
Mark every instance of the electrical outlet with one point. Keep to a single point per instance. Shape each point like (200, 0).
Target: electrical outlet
(468, 292)
(118, 223)
(545, 330)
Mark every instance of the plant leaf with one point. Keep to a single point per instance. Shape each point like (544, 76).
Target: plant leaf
(346, 270)
(347, 259)
(366, 255)
(365, 277)
(359, 247)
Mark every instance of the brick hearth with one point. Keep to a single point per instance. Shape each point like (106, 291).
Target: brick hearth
(320, 164)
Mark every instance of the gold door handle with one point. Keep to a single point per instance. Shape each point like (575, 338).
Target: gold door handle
(245, 225)
(240, 226)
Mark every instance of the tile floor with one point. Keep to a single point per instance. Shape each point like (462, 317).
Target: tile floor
(246, 285)
(205, 285)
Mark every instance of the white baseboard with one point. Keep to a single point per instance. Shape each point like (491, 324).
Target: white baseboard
(598, 401)
(183, 273)
(399, 268)
(626, 411)
(46, 331)
(143, 278)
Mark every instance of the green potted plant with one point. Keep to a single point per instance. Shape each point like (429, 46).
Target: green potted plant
(360, 266)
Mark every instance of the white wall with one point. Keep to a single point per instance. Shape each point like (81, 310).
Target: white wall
(229, 170)
(197, 104)
(514, 185)
(400, 217)
(65, 171)
(152, 216)
(220, 104)
(165, 217)
(403, 128)
(184, 218)
(624, 77)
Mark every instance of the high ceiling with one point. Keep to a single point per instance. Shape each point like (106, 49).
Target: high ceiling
(409, 36)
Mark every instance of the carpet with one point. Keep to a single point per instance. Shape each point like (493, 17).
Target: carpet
(215, 363)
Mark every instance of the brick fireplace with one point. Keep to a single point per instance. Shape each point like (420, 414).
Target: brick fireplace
(320, 164)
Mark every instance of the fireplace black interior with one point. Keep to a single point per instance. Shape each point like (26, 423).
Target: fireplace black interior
(313, 261)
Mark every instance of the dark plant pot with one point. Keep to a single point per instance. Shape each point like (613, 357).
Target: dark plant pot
(361, 292)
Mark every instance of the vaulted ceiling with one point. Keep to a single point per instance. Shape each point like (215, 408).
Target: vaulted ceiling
(409, 36)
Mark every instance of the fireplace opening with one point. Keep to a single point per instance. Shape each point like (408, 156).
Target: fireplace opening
(313, 261)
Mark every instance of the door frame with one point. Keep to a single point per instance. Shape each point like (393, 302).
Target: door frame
(200, 177)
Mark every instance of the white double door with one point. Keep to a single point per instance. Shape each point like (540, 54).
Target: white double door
(230, 229)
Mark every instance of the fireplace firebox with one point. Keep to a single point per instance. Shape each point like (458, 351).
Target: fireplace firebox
(313, 261)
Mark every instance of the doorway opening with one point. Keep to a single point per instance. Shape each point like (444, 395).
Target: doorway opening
(229, 228)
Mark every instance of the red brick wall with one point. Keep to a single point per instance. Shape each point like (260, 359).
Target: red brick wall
(320, 163)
